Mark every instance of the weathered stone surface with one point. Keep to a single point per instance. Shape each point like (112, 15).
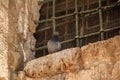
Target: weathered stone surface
(16, 35)
(22, 14)
(116, 71)
(3, 37)
(95, 61)
(102, 52)
(60, 62)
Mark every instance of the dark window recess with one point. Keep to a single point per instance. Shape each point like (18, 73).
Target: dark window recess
(88, 23)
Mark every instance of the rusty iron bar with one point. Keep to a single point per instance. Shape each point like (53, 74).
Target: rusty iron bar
(43, 47)
(53, 19)
(45, 20)
(49, 27)
(76, 24)
(96, 33)
(101, 20)
(48, 20)
(61, 9)
(87, 35)
(88, 11)
(58, 18)
(82, 24)
(64, 16)
(66, 20)
(110, 6)
(81, 12)
(68, 15)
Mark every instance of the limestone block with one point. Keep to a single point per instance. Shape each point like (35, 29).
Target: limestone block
(4, 75)
(59, 62)
(101, 52)
(16, 34)
(22, 14)
(21, 76)
(99, 61)
(116, 71)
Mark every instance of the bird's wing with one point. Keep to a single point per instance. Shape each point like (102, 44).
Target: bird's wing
(58, 45)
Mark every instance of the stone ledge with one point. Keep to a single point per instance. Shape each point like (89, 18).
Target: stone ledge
(60, 62)
(95, 61)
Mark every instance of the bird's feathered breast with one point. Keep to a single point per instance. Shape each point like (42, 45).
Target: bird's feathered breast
(53, 44)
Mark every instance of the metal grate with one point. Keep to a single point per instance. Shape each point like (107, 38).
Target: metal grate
(79, 22)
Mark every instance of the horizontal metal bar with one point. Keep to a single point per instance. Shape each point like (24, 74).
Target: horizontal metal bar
(88, 35)
(45, 20)
(88, 11)
(68, 15)
(43, 47)
(40, 43)
(96, 33)
(86, 28)
(49, 26)
(86, 15)
(59, 18)
(93, 10)
(67, 41)
(84, 36)
(106, 30)
(81, 12)
(110, 6)
(39, 48)
(70, 8)
(43, 29)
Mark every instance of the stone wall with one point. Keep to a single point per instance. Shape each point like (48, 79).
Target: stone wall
(3, 37)
(16, 35)
(95, 61)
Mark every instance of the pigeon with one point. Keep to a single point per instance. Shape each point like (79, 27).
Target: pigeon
(54, 44)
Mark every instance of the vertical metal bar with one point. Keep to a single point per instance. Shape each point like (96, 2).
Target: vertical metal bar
(46, 24)
(53, 18)
(66, 20)
(107, 19)
(44, 53)
(76, 19)
(101, 20)
(82, 24)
